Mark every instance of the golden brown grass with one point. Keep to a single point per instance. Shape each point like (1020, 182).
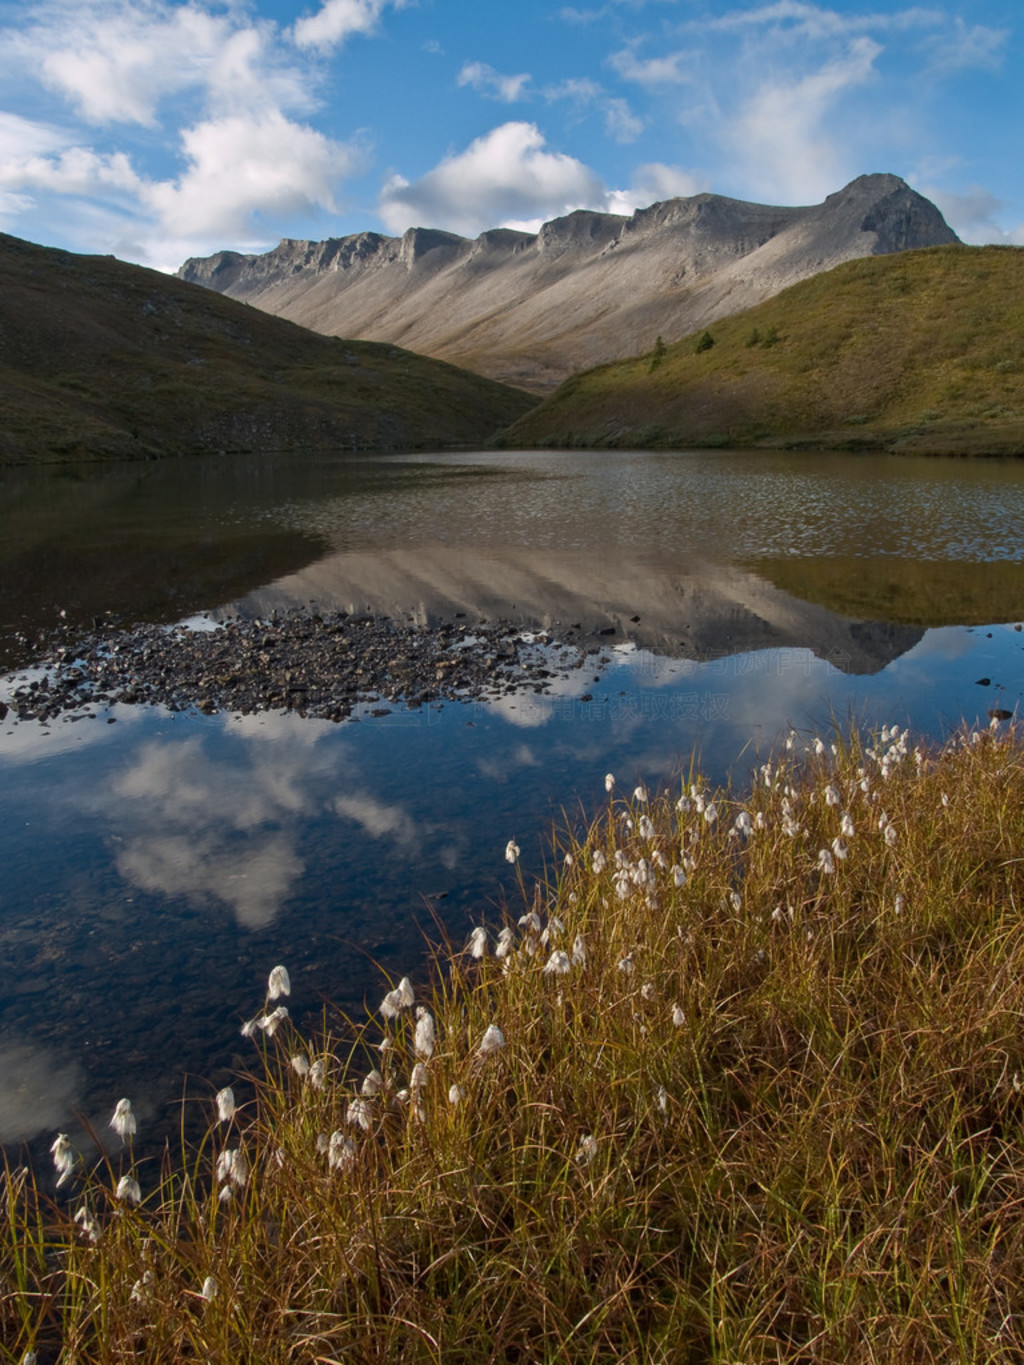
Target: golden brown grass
(766, 1108)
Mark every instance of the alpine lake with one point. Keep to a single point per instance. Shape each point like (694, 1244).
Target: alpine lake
(653, 612)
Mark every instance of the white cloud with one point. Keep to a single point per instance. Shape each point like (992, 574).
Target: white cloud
(663, 70)
(338, 20)
(78, 170)
(654, 182)
(240, 169)
(974, 215)
(964, 48)
(486, 81)
(620, 122)
(116, 63)
(780, 137)
(505, 176)
(22, 138)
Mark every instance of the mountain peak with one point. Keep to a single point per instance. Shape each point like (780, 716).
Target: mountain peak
(588, 287)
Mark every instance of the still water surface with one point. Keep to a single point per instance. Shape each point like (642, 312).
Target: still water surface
(156, 865)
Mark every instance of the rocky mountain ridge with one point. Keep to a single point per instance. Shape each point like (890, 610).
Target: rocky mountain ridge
(531, 308)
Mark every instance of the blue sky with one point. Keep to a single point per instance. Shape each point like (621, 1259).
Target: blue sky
(156, 130)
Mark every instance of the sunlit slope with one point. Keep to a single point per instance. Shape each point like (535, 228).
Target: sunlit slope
(921, 351)
(103, 360)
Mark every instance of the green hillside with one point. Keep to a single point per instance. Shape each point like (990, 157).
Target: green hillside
(921, 351)
(102, 360)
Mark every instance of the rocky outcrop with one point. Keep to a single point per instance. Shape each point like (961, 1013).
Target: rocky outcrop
(587, 288)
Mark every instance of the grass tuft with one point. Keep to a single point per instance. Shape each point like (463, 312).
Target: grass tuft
(743, 1081)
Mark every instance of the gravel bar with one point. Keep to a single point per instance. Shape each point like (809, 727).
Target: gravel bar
(323, 664)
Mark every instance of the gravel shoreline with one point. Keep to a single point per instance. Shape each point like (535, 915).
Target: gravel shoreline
(322, 664)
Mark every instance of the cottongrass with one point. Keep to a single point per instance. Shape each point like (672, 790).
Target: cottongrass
(791, 1133)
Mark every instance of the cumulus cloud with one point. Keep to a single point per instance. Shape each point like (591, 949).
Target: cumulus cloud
(340, 19)
(243, 168)
(506, 176)
(114, 64)
(654, 182)
(486, 81)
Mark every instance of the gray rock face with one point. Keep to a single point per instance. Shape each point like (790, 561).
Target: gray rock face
(588, 288)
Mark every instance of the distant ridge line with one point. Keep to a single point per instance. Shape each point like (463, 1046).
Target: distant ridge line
(589, 287)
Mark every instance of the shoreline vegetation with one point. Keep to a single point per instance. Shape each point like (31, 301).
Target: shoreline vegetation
(919, 352)
(740, 1079)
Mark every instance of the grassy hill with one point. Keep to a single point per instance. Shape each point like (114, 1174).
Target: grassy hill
(921, 351)
(102, 360)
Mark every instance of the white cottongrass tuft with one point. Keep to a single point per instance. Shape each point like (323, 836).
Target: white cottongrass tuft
(743, 825)
(232, 1168)
(505, 939)
(128, 1190)
(271, 1022)
(418, 1079)
(558, 964)
(89, 1224)
(477, 945)
(678, 1016)
(123, 1120)
(626, 966)
(425, 1035)
(512, 851)
(373, 1083)
(64, 1157)
(225, 1104)
(890, 835)
(710, 813)
(341, 1151)
(832, 797)
(279, 983)
(679, 875)
(846, 827)
(209, 1290)
(640, 795)
(300, 1065)
(579, 952)
(598, 862)
(839, 847)
(360, 1114)
(826, 863)
(401, 998)
(587, 1149)
(456, 1094)
(492, 1041)
(609, 781)
(645, 828)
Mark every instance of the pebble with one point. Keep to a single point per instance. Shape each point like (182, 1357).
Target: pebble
(324, 664)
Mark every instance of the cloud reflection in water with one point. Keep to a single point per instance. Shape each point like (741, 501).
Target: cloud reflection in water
(37, 1092)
